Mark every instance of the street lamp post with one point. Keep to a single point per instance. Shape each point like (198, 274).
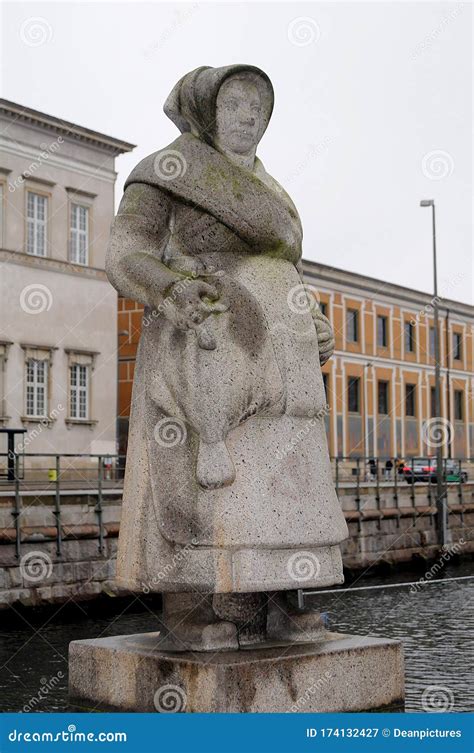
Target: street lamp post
(440, 491)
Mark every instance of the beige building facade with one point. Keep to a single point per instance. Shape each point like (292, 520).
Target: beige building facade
(380, 381)
(58, 312)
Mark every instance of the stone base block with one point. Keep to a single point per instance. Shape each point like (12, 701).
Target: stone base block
(340, 673)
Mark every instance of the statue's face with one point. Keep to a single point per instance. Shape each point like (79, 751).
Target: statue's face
(238, 115)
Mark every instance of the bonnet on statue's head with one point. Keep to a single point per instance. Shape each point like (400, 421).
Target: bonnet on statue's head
(191, 105)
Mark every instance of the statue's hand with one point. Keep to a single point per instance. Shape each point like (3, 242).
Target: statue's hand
(325, 336)
(189, 302)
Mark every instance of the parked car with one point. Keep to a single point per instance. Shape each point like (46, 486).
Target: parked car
(420, 469)
(424, 469)
(454, 472)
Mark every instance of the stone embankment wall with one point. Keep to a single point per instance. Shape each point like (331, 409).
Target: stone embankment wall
(32, 572)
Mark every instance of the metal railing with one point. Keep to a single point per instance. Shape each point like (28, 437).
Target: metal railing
(77, 470)
(377, 477)
(41, 474)
(359, 471)
(23, 474)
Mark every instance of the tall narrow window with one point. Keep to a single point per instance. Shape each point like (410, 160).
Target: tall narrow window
(353, 394)
(79, 391)
(352, 325)
(382, 389)
(382, 337)
(409, 337)
(79, 234)
(457, 346)
(37, 210)
(458, 405)
(3, 360)
(410, 399)
(432, 342)
(36, 388)
(433, 402)
(323, 307)
(1, 214)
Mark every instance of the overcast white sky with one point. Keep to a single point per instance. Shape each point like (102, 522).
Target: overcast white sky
(373, 109)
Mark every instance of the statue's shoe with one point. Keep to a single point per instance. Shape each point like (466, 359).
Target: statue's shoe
(214, 465)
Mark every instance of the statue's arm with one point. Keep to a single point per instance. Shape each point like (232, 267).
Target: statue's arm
(140, 238)
(323, 326)
(140, 233)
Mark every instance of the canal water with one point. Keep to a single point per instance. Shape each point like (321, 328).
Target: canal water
(435, 623)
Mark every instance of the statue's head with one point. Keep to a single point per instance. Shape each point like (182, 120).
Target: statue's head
(227, 107)
(238, 115)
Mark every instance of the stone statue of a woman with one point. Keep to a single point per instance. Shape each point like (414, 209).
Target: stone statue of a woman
(228, 505)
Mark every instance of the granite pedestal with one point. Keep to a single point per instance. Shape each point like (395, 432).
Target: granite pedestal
(339, 673)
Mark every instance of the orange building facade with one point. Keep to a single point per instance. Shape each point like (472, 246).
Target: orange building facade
(380, 381)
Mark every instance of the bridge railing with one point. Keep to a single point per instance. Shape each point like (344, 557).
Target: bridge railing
(377, 476)
(22, 474)
(73, 470)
